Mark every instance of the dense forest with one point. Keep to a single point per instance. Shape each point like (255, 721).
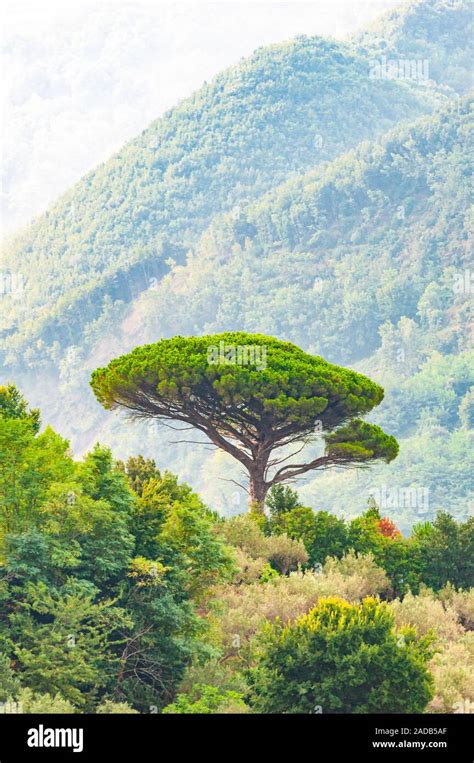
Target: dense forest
(249, 130)
(122, 592)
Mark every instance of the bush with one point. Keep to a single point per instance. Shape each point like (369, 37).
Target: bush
(207, 700)
(286, 554)
(34, 702)
(322, 533)
(248, 569)
(462, 602)
(213, 672)
(245, 534)
(426, 613)
(353, 577)
(108, 707)
(241, 610)
(453, 675)
(341, 657)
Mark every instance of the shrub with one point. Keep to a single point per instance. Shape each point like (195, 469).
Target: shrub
(239, 611)
(341, 657)
(213, 672)
(245, 534)
(285, 554)
(34, 702)
(453, 674)
(111, 708)
(248, 569)
(207, 700)
(353, 577)
(462, 602)
(425, 613)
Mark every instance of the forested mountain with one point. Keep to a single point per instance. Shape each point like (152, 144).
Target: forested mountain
(365, 263)
(250, 208)
(288, 107)
(440, 32)
(331, 256)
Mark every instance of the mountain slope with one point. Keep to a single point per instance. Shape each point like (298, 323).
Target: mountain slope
(336, 253)
(240, 211)
(363, 262)
(287, 108)
(441, 32)
(367, 264)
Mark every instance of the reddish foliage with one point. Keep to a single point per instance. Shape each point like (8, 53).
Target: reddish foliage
(388, 528)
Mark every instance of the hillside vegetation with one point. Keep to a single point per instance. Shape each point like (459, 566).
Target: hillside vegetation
(440, 32)
(122, 592)
(287, 107)
(294, 196)
(364, 262)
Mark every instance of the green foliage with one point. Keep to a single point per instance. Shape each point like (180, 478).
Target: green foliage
(112, 600)
(249, 129)
(139, 472)
(103, 480)
(63, 640)
(205, 558)
(98, 584)
(445, 551)
(330, 537)
(341, 658)
(249, 406)
(322, 533)
(35, 703)
(282, 498)
(29, 465)
(108, 707)
(206, 700)
(14, 406)
(436, 553)
(293, 387)
(9, 683)
(360, 441)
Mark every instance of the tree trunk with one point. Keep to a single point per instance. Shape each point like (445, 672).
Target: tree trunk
(258, 491)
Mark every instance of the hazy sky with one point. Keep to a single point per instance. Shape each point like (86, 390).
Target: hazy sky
(81, 78)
